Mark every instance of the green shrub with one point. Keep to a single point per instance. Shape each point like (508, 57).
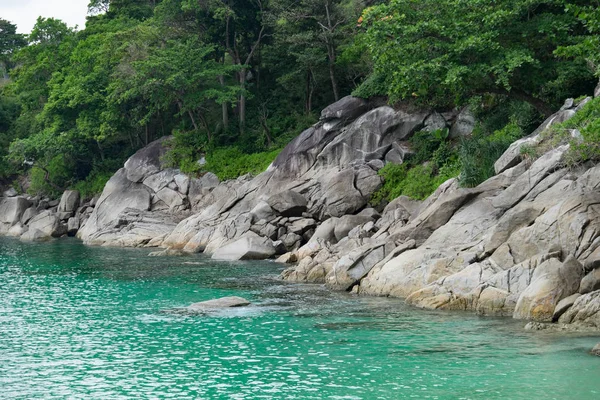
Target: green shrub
(184, 151)
(477, 154)
(93, 184)
(59, 175)
(231, 162)
(417, 182)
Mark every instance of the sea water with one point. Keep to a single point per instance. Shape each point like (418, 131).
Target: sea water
(80, 322)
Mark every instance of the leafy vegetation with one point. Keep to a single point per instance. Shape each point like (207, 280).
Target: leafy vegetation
(235, 80)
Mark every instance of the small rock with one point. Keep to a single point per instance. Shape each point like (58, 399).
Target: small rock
(569, 103)
(287, 258)
(223, 302)
(590, 282)
(72, 226)
(10, 193)
(596, 350)
(564, 305)
(167, 252)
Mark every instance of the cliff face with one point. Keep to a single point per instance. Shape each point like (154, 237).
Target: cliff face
(524, 243)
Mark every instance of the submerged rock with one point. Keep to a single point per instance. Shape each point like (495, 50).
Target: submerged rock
(210, 306)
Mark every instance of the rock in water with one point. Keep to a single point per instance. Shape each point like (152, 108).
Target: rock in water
(210, 305)
(223, 302)
(596, 350)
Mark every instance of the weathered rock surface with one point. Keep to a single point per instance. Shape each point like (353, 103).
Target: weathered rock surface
(69, 202)
(596, 350)
(247, 248)
(11, 211)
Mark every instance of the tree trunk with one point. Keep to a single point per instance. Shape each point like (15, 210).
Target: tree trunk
(242, 105)
(224, 107)
(336, 95)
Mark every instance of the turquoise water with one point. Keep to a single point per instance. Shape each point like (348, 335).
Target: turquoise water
(82, 322)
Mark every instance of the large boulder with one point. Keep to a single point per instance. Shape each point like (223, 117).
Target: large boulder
(69, 202)
(346, 109)
(288, 203)
(146, 161)
(591, 282)
(551, 282)
(348, 222)
(11, 211)
(48, 223)
(246, 248)
(370, 137)
(585, 311)
(464, 124)
(119, 194)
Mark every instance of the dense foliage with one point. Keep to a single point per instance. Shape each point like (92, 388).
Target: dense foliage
(235, 80)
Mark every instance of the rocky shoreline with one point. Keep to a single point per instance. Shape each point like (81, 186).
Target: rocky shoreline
(525, 243)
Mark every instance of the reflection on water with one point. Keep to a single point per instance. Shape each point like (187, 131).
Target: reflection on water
(81, 322)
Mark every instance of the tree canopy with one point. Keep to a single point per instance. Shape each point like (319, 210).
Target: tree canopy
(251, 74)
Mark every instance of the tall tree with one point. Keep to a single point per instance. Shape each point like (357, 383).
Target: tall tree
(10, 42)
(445, 51)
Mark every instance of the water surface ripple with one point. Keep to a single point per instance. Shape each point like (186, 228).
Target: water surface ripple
(80, 322)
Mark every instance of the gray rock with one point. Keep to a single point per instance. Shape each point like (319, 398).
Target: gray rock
(34, 235)
(302, 225)
(119, 194)
(596, 350)
(69, 202)
(146, 161)
(11, 192)
(585, 311)
(73, 226)
(551, 282)
(288, 203)
(464, 124)
(262, 211)
(346, 109)
(247, 248)
(48, 223)
(434, 122)
(292, 241)
(597, 90)
(591, 282)
(17, 230)
(11, 211)
(346, 223)
(564, 305)
(224, 302)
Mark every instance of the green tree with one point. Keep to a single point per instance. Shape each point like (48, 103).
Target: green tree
(10, 42)
(442, 52)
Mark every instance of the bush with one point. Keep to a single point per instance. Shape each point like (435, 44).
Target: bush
(231, 162)
(417, 182)
(93, 184)
(59, 177)
(477, 154)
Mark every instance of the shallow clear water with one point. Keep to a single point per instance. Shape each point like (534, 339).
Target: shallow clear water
(83, 322)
